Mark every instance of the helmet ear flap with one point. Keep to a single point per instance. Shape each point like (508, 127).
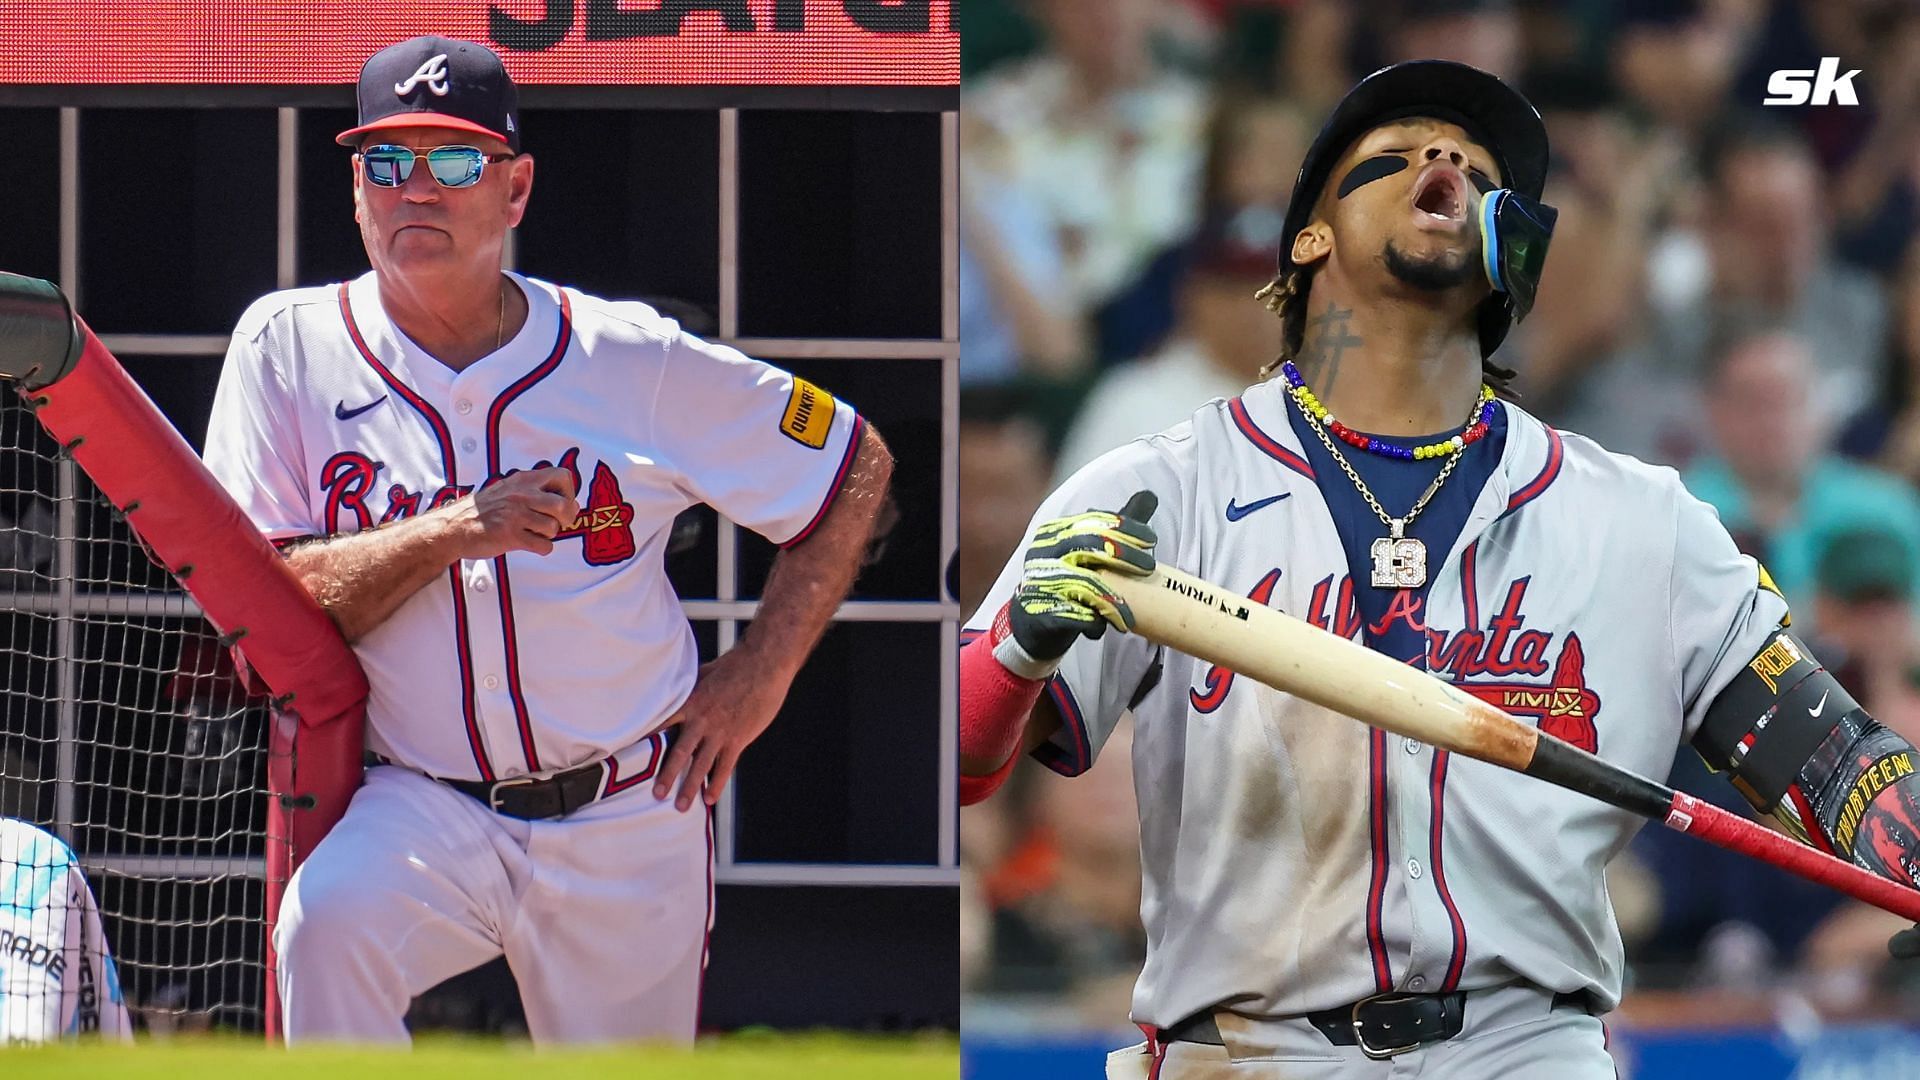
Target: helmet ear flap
(1514, 233)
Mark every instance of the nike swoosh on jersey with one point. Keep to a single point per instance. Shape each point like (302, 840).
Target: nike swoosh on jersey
(341, 412)
(1820, 708)
(1235, 512)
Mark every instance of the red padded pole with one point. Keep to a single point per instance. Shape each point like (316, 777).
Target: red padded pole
(197, 532)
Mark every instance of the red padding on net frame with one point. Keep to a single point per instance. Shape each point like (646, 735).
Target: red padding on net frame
(136, 459)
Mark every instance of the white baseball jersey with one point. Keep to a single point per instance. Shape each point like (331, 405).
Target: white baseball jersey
(328, 420)
(1296, 860)
(56, 974)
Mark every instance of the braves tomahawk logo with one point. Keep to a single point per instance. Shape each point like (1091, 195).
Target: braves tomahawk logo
(1564, 708)
(433, 73)
(1564, 705)
(605, 522)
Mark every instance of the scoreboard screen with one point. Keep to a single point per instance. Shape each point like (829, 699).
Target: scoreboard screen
(570, 42)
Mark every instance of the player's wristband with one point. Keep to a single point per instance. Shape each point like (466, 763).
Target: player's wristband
(994, 707)
(1007, 650)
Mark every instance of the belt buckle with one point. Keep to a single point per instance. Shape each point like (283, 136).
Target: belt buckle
(1377, 1053)
(493, 793)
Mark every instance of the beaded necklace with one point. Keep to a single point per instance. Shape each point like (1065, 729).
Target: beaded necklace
(1399, 560)
(1477, 422)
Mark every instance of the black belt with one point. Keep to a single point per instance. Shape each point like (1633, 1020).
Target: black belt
(527, 798)
(1382, 1026)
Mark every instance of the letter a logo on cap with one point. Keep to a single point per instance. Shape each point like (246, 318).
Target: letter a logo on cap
(433, 71)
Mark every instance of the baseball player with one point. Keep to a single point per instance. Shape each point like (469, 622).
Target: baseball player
(1322, 899)
(57, 976)
(476, 474)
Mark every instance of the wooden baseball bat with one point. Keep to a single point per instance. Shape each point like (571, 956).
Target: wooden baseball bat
(1203, 620)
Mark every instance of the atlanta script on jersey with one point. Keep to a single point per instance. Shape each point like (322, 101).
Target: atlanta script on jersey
(1296, 860)
(328, 420)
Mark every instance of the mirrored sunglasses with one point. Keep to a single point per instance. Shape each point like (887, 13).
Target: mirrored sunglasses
(389, 166)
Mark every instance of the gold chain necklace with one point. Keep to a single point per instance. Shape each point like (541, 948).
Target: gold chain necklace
(1399, 560)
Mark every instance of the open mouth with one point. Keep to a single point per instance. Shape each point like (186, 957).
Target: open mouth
(1441, 194)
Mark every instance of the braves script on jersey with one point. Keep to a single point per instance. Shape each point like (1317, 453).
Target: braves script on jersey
(329, 420)
(1296, 860)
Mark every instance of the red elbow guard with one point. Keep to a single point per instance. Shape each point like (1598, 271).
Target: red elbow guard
(994, 706)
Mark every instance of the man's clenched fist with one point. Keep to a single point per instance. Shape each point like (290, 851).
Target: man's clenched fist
(519, 512)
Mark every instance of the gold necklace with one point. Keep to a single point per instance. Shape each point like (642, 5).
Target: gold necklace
(1399, 560)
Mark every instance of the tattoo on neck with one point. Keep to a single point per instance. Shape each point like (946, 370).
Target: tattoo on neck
(1329, 335)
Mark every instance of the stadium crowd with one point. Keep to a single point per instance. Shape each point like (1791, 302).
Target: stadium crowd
(1733, 290)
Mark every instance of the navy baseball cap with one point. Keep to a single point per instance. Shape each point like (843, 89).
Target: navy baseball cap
(438, 82)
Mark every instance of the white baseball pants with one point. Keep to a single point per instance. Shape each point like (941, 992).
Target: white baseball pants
(603, 915)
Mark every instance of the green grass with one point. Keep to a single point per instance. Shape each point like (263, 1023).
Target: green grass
(734, 1057)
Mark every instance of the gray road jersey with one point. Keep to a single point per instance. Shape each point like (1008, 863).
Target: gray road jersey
(1293, 859)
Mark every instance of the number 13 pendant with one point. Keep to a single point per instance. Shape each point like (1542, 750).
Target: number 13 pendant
(1399, 561)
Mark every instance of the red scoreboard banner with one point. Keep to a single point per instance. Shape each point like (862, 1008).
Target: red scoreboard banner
(572, 42)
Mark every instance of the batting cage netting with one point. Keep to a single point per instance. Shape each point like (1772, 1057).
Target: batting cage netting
(126, 737)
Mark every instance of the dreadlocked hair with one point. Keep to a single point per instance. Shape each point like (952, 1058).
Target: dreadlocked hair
(1286, 297)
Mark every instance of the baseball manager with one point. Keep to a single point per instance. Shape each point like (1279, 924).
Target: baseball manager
(475, 473)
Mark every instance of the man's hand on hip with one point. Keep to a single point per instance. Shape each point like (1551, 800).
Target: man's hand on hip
(734, 699)
(520, 512)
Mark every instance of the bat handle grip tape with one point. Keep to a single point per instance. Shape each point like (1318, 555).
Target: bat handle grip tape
(1735, 833)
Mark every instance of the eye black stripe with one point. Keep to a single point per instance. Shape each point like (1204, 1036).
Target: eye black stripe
(1374, 168)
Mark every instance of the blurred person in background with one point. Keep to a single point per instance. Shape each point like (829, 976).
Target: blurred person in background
(1061, 879)
(1676, 60)
(1482, 33)
(1613, 182)
(1769, 246)
(1104, 141)
(1311, 51)
(1216, 349)
(1871, 150)
(1005, 470)
(1864, 615)
(1887, 431)
(1762, 258)
(1220, 339)
(1013, 315)
(1776, 487)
